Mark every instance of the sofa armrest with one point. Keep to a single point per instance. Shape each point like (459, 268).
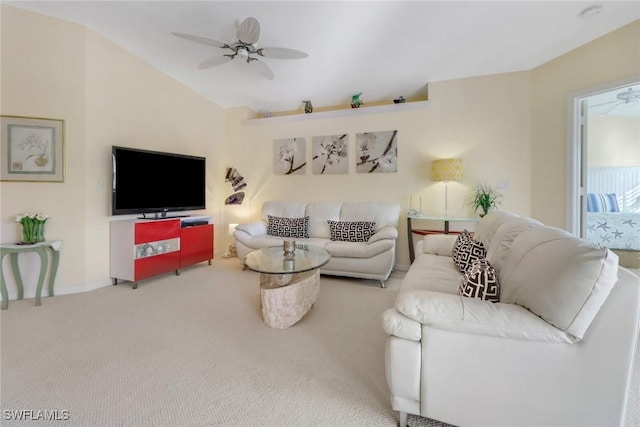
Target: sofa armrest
(439, 244)
(384, 233)
(258, 228)
(474, 316)
(401, 326)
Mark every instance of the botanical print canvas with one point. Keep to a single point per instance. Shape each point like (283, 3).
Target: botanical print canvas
(32, 149)
(330, 154)
(377, 152)
(289, 156)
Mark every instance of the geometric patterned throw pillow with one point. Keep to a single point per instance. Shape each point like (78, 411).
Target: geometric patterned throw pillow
(480, 281)
(288, 227)
(469, 252)
(351, 231)
(462, 238)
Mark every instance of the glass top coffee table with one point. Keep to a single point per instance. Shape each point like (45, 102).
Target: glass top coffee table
(289, 283)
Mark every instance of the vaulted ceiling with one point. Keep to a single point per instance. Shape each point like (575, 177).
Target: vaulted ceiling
(383, 49)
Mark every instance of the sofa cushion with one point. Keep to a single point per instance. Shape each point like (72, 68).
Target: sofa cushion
(561, 278)
(432, 273)
(318, 214)
(383, 214)
(357, 249)
(283, 209)
(439, 244)
(489, 224)
(288, 227)
(480, 281)
(469, 252)
(351, 231)
(500, 248)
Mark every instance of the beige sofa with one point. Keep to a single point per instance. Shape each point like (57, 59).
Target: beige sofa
(371, 259)
(558, 348)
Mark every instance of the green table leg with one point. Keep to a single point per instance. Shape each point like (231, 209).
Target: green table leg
(3, 284)
(16, 274)
(44, 263)
(54, 270)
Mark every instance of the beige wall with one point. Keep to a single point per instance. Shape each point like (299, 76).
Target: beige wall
(610, 58)
(485, 121)
(106, 97)
(613, 141)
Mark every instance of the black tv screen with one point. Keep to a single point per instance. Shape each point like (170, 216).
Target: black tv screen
(154, 182)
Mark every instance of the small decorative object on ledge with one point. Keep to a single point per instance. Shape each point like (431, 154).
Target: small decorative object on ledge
(32, 227)
(355, 101)
(308, 107)
(399, 100)
(484, 198)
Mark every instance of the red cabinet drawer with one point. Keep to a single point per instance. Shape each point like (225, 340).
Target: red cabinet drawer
(196, 244)
(154, 231)
(159, 264)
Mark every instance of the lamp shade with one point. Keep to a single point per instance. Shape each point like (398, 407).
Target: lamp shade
(446, 170)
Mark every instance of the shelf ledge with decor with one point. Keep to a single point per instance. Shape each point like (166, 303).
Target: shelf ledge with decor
(340, 111)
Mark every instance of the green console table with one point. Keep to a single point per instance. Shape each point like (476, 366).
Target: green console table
(13, 250)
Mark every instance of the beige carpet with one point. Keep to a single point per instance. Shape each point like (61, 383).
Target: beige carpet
(193, 351)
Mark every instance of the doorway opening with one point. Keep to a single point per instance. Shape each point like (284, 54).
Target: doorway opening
(604, 168)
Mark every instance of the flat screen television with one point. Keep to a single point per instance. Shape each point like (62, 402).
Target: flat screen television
(153, 182)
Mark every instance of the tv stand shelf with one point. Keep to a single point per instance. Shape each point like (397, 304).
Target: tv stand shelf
(143, 248)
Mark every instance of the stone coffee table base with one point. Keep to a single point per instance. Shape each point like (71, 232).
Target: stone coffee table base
(286, 298)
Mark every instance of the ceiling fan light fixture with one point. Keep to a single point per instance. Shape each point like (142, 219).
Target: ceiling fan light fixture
(629, 96)
(246, 48)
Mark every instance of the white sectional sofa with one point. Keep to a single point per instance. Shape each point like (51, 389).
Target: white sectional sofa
(557, 350)
(370, 259)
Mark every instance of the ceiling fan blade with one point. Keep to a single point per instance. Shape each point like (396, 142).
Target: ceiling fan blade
(249, 31)
(264, 68)
(212, 62)
(602, 103)
(202, 40)
(281, 53)
(610, 109)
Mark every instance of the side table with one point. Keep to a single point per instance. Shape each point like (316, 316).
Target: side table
(40, 248)
(445, 220)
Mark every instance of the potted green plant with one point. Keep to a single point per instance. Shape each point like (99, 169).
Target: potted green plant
(484, 198)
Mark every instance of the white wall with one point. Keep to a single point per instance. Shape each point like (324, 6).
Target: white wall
(107, 96)
(613, 141)
(485, 121)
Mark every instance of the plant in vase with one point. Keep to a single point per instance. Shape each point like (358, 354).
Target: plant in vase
(32, 227)
(484, 198)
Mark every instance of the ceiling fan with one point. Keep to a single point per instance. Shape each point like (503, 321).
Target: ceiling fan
(246, 48)
(629, 96)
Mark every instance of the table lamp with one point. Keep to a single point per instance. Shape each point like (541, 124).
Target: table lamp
(446, 170)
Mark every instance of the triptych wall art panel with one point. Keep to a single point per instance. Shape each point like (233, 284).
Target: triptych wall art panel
(330, 154)
(376, 152)
(289, 156)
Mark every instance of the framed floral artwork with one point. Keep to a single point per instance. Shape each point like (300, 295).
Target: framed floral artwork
(377, 152)
(289, 156)
(330, 154)
(32, 149)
